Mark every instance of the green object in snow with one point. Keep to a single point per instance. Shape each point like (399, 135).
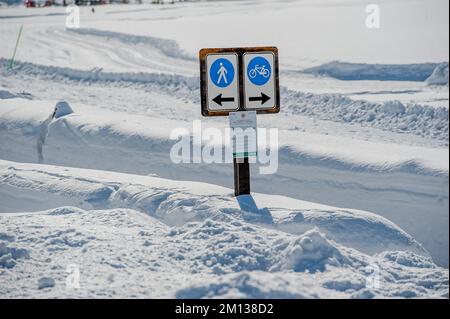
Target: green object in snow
(11, 64)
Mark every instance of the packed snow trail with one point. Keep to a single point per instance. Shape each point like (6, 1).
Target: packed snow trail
(322, 26)
(197, 242)
(90, 49)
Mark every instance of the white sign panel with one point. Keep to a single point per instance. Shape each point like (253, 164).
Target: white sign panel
(259, 80)
(243, 134)
(222, 81)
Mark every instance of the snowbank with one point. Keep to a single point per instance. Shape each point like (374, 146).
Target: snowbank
(204, 259)
(62, 108)
(98, 75)
(396, 181)
(379, 72)
(394, 116)
(423, 120)
(9, 256)
(439, 75)
(5, 94)
(20, 119)
(167, 47)
(177, 203)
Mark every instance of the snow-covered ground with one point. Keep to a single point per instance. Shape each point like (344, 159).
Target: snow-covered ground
(198, 241)
(358, 207)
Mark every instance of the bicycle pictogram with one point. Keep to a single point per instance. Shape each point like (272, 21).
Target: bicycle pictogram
(261, 70)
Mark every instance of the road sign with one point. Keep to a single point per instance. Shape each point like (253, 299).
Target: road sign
(239, 79)
(222, 89)
(259, 85)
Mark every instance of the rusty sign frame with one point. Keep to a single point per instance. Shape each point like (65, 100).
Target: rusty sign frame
(203, 53)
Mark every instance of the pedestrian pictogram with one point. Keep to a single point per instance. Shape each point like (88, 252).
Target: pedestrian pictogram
(222, 83)
(222, 72)
(222, 75)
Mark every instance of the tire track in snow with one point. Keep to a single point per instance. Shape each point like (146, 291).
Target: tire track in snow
(112, 51)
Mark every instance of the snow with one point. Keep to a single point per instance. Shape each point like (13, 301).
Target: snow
(177, 202)
(381, 72)
(413, 173)
(433, 121)
(357, 209)
(9, 255)
(62, 108)
(392, 115)
(206, 235)
(439, 75)
(196, 245)
(46, 282)
(167, 48)
(19, 117)
(215, 253)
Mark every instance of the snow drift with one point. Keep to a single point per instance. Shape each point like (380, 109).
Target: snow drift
(411, 179)
(439, 75)
(108, 214)
(381, 72)
(194, 240)
(422, 120)
(177, 203)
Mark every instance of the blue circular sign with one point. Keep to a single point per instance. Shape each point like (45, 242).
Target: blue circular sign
(222, 72)
(259, 70)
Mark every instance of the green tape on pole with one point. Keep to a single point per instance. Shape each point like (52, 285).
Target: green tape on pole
(244, 154)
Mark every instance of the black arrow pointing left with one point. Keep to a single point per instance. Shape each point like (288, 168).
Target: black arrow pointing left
(219, 99)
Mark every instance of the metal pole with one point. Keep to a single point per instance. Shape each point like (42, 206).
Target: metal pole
(241, 176)
(241, 165)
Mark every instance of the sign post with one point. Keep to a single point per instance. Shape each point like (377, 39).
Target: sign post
(241, 176)
(244, 138)
(240, 83)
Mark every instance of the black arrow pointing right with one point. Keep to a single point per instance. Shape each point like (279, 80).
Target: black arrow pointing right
(219, 99)
(263, 98)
